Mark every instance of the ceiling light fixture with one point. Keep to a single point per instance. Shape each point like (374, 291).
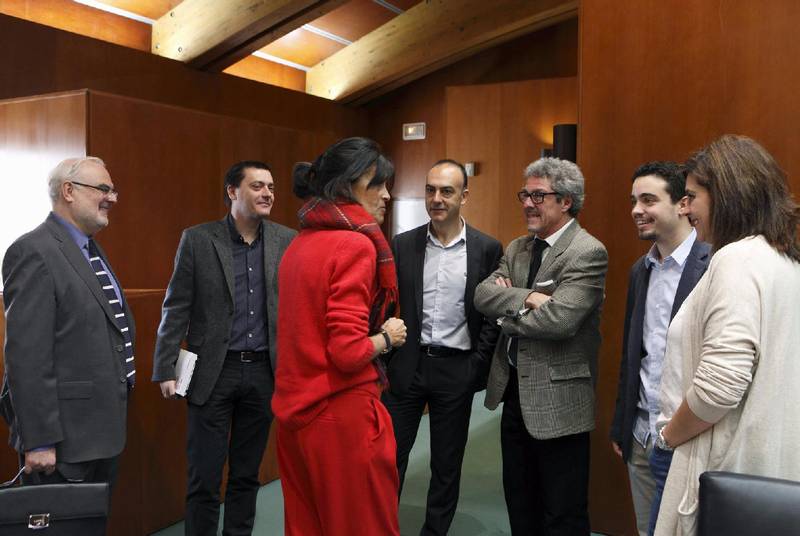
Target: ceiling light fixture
(276, 59)
(115, 11)
(389, 6)
(327, 35)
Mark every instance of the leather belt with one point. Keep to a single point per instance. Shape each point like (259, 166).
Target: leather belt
(246, 357)
(440, 351)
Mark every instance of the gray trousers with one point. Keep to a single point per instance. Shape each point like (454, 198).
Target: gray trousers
(643, 485)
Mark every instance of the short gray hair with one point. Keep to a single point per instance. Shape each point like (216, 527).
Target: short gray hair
(65, 171)
(564, 176)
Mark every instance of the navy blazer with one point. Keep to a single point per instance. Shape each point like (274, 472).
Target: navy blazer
(632, 343)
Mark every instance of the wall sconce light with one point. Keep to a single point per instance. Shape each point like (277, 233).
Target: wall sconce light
(413, 131)
(471, 168)
(565, 141)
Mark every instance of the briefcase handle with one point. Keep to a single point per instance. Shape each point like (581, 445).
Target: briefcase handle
(11, 482)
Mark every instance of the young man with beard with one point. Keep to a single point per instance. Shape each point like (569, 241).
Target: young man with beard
(659, 283)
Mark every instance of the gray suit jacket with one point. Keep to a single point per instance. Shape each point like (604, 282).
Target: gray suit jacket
(63, 365)
(559, 341)
(198, 306)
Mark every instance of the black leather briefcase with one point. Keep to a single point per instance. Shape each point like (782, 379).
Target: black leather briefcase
(53, 509)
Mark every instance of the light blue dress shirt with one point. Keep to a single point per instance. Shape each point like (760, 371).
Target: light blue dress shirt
(444, 279)
(664, 278)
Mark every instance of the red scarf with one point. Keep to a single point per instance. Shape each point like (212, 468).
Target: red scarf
(318, 213)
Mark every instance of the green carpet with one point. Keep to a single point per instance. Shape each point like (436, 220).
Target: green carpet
(481, 507)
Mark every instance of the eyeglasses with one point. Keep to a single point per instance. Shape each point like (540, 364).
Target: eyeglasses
(537, 198)
(104, 188)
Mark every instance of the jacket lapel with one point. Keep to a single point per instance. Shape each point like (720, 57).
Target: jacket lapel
(420, 241)
(82, 267)
(556, 249)
(696, 263)
(473, 269)
(636, 348)
(271, 246)
(222, 244)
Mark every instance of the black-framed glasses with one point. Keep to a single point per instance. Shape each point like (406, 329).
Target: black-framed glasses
(537, 198)
(104, 188)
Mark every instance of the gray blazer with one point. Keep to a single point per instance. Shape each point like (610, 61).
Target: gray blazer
(198, 306)
(63, 348)
(559, 341)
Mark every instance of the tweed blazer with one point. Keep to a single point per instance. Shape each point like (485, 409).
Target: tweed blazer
(198, 306)
(558, 341)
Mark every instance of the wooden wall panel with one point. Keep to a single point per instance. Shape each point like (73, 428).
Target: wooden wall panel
(549, 53)
(168, 162)
(35, 60)
(654, 87)
(503, 127)
(35, 134)
(152, 480)
(164, 162)
(171, 177)
(80, 19)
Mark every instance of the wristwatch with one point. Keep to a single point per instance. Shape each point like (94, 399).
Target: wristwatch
(388, 342)
(660, 442)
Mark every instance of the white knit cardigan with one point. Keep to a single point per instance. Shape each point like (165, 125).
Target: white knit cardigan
(733, 352)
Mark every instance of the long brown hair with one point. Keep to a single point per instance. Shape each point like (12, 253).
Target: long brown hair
(749, 194)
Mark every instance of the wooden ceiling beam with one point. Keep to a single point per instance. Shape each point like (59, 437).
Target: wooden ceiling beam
(429, 36)
(214, 34)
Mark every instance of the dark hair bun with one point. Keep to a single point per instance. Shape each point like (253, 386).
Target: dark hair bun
(302, 179)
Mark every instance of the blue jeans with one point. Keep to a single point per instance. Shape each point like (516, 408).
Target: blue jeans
(660, 461)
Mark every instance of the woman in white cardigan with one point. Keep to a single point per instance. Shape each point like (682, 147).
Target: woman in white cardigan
(731, 380)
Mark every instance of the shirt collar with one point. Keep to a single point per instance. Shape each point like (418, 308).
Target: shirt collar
(553, 238)
(680, 254)
(76, 234)
(234, 232)
(461, 236)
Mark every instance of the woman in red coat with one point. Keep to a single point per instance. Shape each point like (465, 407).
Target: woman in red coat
(338, 291)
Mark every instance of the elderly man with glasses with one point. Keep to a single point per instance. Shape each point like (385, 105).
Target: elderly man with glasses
(69, 346)
(546, 296)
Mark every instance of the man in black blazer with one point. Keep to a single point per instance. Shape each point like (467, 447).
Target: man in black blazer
(69, 336)
(450, 344)
(222, 299)
(659, 283)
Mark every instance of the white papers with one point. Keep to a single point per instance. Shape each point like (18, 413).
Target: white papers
(184, 368)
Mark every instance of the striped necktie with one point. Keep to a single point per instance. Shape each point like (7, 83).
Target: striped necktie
(104, 278)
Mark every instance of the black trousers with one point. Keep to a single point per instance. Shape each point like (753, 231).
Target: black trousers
(446, 384)
(234, 424)
(546, 481)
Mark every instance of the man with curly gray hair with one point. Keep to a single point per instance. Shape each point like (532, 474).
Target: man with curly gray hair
(546, 295)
